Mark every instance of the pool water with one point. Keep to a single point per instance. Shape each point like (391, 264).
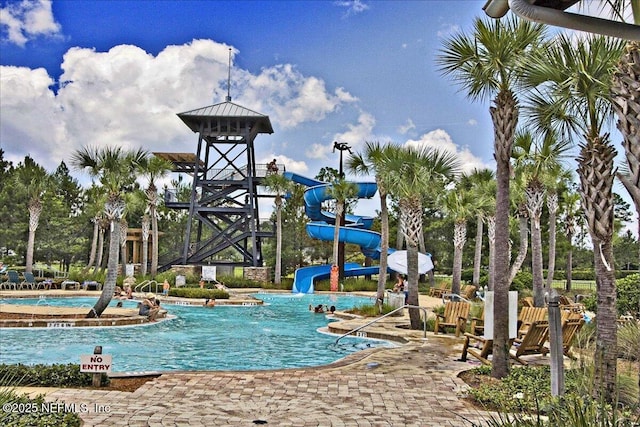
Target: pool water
(280, 334)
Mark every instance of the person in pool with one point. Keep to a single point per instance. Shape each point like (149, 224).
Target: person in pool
(318, 309)
(210, 302)
(149, 307)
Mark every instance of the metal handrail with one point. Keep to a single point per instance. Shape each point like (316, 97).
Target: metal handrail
(387, 315)
(140, 287)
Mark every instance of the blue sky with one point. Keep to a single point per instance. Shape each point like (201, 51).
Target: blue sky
(322, 70)
(78, 72)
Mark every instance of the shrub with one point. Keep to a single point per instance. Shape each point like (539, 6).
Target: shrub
(523, 280)
(583, 274)
(628, 290)
(573, 411)
(56, 375)
(349, 284)
(524, 389)
(371, 310)
(590, 303)
(239, 282)
(198, 293)
(628, 339)
(40, 418)
(467, 275)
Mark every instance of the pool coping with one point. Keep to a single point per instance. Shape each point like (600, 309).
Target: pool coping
(41, 316)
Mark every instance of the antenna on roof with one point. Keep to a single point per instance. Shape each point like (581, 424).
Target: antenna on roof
(228, 99)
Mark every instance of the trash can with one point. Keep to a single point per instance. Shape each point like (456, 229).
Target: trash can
(180, 281)
(396, 300)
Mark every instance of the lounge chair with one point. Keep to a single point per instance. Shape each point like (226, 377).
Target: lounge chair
(13, 281)
(527, 316)
(532, 342)
(527, 302)
(570, 328)
(567, 304)
(486, 348)
(477, 324)
(455, 316)
(29, 282)
(439, 290)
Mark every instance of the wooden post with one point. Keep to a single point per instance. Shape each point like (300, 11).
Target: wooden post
(555, 342)
(97, 378)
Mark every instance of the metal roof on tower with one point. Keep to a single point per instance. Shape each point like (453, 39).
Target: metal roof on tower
(228, 110)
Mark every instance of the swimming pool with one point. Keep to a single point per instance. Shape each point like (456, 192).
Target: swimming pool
(280, 334)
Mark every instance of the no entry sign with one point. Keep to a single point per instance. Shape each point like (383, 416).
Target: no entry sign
(95, 363)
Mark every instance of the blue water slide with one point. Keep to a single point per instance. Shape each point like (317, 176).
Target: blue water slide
(304, 277)
(366, 239)
(322, 228)
(299, 179)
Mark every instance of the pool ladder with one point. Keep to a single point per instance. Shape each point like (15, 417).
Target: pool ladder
(424, 309)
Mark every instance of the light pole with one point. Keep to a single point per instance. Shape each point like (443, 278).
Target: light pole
(341, 146)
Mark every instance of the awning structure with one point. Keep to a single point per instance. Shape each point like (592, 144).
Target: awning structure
(183, 162)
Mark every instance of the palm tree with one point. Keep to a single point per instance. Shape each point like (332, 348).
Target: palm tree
(410, 174)
(33, 178)
(488, 64)
(570, 213)
(154, 168)
(557, 181)
(124, 230)
(626, 103)
(103, 224)
(341, 190)
(367, 163)
(145, 225)
(518, 199)
(459, 203)
(115, 169)
(481, 183)
(538, 161)
(280, 186)
(573, 79)
(96, 209)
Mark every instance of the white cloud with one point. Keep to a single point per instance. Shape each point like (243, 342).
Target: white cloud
(290, 164)
(406, 127)
(355, 136)
(31, 116)
(130, 98)
(27, 19)
(319, 151)
(441, 140)
(290, 97)
(353, 6)
(447, 30)
(472, 122)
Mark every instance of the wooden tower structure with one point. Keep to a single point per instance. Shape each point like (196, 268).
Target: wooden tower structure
(224, 225)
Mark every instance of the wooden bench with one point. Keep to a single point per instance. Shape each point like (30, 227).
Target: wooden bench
(455, 316)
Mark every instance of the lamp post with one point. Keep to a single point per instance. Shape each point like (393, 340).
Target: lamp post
(341, 146)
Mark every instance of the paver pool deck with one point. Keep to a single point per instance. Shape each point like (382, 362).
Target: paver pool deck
(415, 384)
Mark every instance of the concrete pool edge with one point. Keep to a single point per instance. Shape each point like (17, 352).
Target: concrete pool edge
(44, 316)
